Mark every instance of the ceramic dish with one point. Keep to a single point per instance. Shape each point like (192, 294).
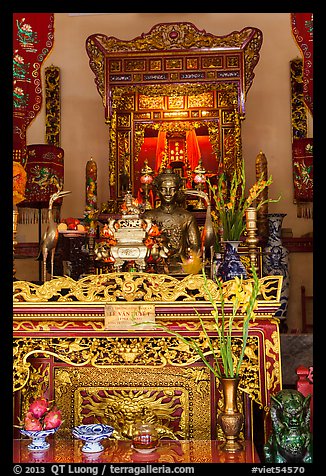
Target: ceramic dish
(92, 435)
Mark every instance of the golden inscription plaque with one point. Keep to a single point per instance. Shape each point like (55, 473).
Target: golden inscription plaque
(124, 317)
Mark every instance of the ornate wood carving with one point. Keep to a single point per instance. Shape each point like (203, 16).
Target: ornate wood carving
(177, 73)
(52, 105)
(63, 349)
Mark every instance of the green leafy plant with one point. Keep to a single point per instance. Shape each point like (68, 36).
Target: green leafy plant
(243, 296)
(230, 202)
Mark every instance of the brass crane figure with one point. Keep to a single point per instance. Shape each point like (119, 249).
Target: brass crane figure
(50, 236)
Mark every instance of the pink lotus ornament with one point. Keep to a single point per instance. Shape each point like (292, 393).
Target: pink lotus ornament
(199, 179)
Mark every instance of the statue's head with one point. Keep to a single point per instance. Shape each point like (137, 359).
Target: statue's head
(290, 409)
(167, 185)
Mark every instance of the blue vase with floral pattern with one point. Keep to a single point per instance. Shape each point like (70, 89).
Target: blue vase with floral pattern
(232, 265)
(276, 259)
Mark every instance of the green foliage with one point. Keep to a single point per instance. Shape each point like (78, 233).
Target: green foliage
(244, 298)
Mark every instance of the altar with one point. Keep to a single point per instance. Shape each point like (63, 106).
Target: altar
(67, 347)
(175, 452)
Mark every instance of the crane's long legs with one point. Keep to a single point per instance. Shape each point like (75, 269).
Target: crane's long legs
(52, 261)
(45, 255)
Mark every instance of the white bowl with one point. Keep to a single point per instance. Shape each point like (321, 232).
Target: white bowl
(38, 437)
(92, 435)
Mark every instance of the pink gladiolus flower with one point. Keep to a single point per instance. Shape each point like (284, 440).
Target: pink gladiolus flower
(52, 419)
(31, 423)
(39, 407)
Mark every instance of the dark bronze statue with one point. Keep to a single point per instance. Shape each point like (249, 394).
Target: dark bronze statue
(178, 225)
(291, 439)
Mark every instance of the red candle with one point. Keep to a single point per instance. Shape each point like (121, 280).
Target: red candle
(91, 184)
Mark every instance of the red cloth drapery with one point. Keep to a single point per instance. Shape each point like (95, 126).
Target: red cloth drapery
(302, 29)
(32, 41)
(193, 150)
(160, 150)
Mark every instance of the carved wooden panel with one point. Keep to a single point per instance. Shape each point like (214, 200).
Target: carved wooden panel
(176, 400)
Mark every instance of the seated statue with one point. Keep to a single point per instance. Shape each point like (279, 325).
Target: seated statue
(178, 225)
(291, 439)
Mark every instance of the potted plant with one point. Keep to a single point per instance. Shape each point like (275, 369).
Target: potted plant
(226, 367)
(231, 203)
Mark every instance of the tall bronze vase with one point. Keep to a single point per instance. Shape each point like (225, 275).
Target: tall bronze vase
(230, 419)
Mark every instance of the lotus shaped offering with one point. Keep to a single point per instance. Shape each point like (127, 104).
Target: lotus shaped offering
(38, 442)
(92, 435)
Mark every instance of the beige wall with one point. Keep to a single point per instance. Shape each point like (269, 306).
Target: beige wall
(267, 126)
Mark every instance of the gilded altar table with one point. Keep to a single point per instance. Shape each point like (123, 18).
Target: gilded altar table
(66, 347)
(66, 450)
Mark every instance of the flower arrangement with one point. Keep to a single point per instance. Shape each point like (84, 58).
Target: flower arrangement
(19, 182)
(231, 203)
(243, 296)
(41, 415)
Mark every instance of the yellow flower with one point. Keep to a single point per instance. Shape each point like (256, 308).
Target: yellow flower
(240, 292)
(232, 206)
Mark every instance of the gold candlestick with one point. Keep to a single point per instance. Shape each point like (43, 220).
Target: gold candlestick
(251, 239)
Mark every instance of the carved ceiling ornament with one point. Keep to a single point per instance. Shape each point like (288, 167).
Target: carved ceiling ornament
(172, 37)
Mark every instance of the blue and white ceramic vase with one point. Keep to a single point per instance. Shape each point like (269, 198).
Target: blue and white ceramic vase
(276, 259)
(232, 265)
(217, 261)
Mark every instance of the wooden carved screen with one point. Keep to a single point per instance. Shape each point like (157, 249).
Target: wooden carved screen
(175, 79)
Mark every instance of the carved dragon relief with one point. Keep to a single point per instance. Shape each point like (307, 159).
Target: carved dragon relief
(174, 400)
(148, 287)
